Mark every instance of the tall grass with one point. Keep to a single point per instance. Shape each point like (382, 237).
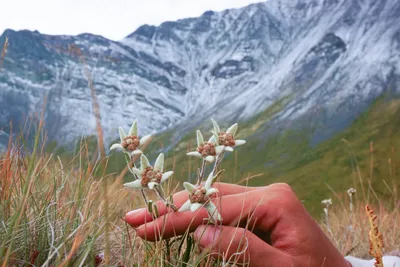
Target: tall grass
(52, 214)
(66, 211)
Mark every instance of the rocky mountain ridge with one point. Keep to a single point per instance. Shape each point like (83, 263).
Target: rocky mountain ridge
(332, 58)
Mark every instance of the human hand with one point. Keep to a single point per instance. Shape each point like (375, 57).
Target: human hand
(280, 231)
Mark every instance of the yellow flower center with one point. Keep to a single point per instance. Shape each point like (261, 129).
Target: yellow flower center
(226, 139)
(198, 195)
(150, 175)
(130, 143)
(207, 149)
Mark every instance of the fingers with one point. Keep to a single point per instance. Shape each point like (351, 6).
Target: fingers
(140, 216)
(233, 209)
(261, 208)
(238, 245)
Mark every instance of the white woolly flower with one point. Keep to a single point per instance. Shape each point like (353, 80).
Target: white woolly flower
(206, 150)
(327, 202)
(130, 143)
(199, 196)
(351, 191)
(226, 139)
(149, 176)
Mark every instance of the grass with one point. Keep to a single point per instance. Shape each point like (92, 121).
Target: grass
(52, 213)
(67, 209)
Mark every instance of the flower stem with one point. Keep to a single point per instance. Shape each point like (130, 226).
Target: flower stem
(136, 177)
(218, 161)
(201, 174)
(160, 194)
(144, 196)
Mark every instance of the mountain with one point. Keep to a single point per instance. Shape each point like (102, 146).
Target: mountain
(329, 59)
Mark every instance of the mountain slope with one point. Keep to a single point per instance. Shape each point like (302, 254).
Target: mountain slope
(332, 57)
(363, 156)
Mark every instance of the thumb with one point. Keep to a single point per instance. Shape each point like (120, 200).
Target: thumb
(234, 244)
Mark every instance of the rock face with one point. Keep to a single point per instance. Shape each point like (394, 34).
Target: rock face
(332, 57)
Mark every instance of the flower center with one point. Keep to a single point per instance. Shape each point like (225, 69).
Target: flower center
(130, 143)
(226, 139)
(198, 195)
(207, 149)
(150, 175)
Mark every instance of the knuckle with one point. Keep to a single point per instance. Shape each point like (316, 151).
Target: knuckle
(283, 196)
(283, 187)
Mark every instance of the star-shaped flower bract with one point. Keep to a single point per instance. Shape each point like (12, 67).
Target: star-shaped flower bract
(149, 176)
(130, 143)
(206, 150)
(199, 196)
(327, 202)
(226, 139)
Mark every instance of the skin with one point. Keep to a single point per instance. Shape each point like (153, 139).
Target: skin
(280, 232)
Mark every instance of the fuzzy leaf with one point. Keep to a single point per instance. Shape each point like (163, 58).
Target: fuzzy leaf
(137, 184)
(233, 129)
(144, 162)
(151, 185)
(209, 181)
(185, 206)
(239, 142)
(159, 164)
(166, 175)
(134, 130)
(200, 139)
(216, 126)
(195, 206)
(210, 159)
(212, 210)
(122, 133)
(229, 149)
(189, 187)
(145, 139)
(136, 152)
(219, 149)
(117, 147)
(195, 154)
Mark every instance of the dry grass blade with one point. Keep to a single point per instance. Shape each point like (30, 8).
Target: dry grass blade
(375, 238)
(4, 51)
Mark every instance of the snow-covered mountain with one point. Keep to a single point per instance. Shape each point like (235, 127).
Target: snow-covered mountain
(331, 57)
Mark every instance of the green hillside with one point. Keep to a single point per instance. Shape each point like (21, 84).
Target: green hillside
(336, 164)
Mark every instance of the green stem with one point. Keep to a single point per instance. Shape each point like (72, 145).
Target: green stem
(201, 174)
(160, 194)
(218, 161)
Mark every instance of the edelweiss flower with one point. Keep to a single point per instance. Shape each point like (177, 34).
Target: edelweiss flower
(206, 150)
(327, 202)
(199, 196)
(149, 176)
(227, 139)
(351, 191)
(130, 143)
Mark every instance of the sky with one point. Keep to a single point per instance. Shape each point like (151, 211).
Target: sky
(113, 19)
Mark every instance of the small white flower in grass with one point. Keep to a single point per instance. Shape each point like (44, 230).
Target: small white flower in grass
(351, 191)
(199, 196)
(149, 176)
(327, 202)
(206, 150)
(226, 139)
(130, 143)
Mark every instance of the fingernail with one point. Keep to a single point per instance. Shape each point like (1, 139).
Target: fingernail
(207, 235)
